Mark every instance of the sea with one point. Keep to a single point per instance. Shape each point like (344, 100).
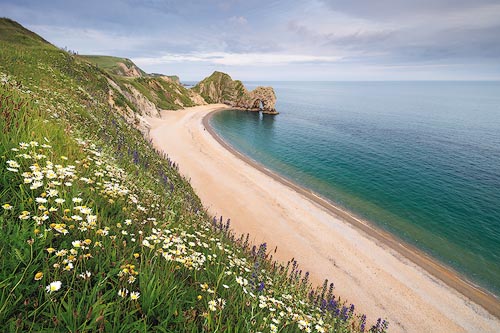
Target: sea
(420, 160)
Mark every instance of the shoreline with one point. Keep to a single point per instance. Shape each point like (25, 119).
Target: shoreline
(378, 279)
(446, 274)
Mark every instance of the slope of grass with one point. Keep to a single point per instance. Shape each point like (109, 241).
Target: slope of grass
(167, 95)
(219, 88)
(15, 33)
(110, 63)
(100, 233)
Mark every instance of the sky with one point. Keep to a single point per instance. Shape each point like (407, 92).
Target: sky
(273, 40)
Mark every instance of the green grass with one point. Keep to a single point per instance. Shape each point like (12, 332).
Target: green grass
(87, 202)
(165, 95)
(13, 32)
(110, 64)
(226, 88)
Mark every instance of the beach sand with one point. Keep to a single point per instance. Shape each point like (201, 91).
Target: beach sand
(370, 268)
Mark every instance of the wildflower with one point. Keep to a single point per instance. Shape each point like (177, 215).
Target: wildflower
(38, 276)
(319, 328)
(211, 305)
(59, 201)
(6, 206)
(199, 297)
(241, 281)
(77, 200)
(222, 302)
(135, 295)
(85, 275)
(53, 286)
(303, 324)
(25, 215)
(123, 293)
(13, 165)
(52, 193)
(136, 255)
(50, 250)
(41, 200)
(36, 185)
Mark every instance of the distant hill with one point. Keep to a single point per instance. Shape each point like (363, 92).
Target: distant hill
(151, 92)
(115, 65)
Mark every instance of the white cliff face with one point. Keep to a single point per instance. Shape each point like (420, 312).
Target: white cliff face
(129, 71)
(143, 105)
(134, 119)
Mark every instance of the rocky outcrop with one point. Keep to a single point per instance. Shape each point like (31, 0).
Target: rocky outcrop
(132, 71)
(221, 88)
(133, 118)
(143, 105)
(263, 98)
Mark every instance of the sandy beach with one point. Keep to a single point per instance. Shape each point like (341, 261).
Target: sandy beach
(370, 268)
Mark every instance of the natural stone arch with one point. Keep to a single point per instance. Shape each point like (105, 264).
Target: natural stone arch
(258, 104)
(263, 98)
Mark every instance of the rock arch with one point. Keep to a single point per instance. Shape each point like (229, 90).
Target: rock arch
(264, 99)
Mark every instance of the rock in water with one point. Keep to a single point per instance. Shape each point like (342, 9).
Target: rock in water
(221, 88)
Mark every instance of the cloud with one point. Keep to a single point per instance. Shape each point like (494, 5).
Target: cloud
(282, 36)
(236, 59)
(238, 20)
(398, 9)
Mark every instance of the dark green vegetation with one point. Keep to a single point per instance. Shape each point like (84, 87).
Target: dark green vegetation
(100, 233)
(220, 87)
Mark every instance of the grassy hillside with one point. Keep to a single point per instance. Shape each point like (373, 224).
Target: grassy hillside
(13, 32)
(100, 233)
(112, 64)
(220, 88)
(162, 91)
(165, 92)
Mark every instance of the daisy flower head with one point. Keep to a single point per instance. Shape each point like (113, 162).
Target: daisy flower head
(135, 295)
(53, 286)
(7, 206)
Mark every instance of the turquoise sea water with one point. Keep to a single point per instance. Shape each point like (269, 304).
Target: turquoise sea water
(419, 159)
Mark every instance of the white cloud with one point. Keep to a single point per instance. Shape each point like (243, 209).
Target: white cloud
(235, 59)
(239, 20)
